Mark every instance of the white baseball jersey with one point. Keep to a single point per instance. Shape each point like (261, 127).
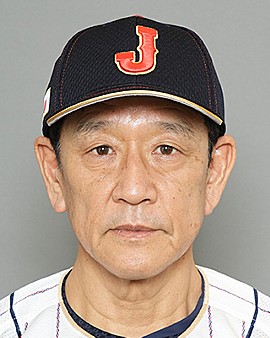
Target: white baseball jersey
(230, 309)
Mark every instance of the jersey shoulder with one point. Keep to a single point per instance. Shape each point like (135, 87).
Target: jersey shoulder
(238, 300)
(21, 307)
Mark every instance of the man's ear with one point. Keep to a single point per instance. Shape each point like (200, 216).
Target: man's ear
(51, 173)
(223, 158)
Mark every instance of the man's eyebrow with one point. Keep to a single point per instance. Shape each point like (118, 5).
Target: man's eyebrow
(177, 128)
(85, 127)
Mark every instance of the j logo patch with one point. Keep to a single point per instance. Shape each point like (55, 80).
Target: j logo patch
(126, 61)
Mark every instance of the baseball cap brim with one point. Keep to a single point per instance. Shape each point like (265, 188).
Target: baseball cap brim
(134, 92)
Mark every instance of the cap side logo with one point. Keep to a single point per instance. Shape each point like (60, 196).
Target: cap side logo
(126, 62)
(46, 102)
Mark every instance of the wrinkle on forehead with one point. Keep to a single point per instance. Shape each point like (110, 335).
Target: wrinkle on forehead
(177, 128)
(90, 126)
(131, 112)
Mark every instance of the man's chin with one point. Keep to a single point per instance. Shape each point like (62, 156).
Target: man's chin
(136, 271)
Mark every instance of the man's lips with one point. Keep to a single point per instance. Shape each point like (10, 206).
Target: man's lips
(134, 231)
(131, 227)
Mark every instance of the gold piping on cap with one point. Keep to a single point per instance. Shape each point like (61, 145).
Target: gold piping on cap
(137, 92)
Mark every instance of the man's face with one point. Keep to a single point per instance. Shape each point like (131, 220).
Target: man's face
(134, 182)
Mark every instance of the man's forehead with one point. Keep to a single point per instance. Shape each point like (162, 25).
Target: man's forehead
(132, 111)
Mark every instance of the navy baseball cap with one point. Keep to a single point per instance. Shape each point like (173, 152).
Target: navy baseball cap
(133, 56)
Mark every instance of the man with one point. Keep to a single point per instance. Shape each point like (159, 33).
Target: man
(134, 149)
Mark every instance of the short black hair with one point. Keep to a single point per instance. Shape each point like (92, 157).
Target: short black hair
(54, 134)
(214, 132)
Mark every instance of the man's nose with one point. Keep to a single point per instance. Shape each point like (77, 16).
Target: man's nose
(135, 183)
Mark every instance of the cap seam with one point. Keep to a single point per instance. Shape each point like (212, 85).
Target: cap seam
(65, 66)
(211, 69)
(205, 64)
(58, 77)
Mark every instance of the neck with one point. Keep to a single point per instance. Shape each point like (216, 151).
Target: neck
(122, 306)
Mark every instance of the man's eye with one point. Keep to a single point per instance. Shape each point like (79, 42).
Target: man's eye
(166, 150)
(102, 150)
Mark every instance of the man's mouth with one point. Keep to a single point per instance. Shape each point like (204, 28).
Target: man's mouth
(133, 231)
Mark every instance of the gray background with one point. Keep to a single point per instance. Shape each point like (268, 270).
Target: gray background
(34, 241)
